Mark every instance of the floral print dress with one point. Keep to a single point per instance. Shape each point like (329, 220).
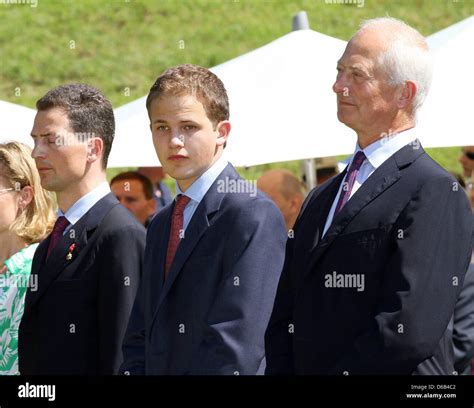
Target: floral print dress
(13, 285)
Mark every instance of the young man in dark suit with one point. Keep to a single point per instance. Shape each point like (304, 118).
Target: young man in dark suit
(379, 252)
(214, 256)
(89, 268)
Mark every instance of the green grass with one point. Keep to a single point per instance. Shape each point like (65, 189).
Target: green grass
(122, 46)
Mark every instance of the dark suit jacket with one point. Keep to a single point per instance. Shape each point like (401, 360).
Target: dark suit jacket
(210, 315)
(463, 330)
(407, 233)
(75, 322)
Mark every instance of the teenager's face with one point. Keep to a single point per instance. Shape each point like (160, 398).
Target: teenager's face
(185, 140)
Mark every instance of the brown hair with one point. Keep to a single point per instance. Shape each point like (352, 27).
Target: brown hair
(88, 111)
(19, 170)
(133, 175)
(188, 79)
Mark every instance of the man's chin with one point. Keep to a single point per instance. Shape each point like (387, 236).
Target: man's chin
(344, 120)
(49, 185)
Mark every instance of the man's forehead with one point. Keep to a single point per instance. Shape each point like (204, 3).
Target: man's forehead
(128, 183)
(367, 44)
(177, 104)
(50, 118)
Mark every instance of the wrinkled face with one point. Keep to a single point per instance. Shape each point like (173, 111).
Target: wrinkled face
(131, 195)
(8, 203)
(467, 163)
(60, 156)
(365, 101)
(185, 140)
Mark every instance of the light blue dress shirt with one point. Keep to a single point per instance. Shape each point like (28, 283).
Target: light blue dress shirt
(199, 188)
(376, 153)
(84, 204)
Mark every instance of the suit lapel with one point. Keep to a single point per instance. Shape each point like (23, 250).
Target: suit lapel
(158, 254)
(322, 205)
(49, 271)
(382, 178)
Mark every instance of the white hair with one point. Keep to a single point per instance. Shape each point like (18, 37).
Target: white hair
(407, 56)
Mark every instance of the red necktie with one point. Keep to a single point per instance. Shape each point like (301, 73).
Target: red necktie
(350, 179)
(58, 229)
(176, 230)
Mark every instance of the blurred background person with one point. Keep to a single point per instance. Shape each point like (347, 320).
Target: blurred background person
(326, 168)
(135, 193)
(463, 329)
(470, 190)
(286, 191)
(161, 191)
(467, 160)
(463, 325)
(26, 217)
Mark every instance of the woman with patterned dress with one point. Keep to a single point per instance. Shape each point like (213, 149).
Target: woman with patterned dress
(26, 217)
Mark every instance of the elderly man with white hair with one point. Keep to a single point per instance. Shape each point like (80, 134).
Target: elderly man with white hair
(380, 252)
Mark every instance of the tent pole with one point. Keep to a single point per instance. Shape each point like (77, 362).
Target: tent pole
(301, 22)
(310, 173)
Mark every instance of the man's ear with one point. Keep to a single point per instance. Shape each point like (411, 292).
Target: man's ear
(224, 129)
(407, 95)
(151, 205)
(95, 149)
(295, 204)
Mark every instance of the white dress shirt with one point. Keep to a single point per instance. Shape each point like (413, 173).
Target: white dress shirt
(199, 188)
(375, 153)
(84, 204)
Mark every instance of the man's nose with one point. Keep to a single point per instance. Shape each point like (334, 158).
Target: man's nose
(38, 151)
(177, 139)
(340, 86)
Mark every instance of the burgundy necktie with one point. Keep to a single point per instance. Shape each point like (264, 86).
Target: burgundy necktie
(58, 229)
(176, 230)
(349, 180)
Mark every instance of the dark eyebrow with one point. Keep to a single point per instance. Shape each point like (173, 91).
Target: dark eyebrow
(181, 121)
(44, 135)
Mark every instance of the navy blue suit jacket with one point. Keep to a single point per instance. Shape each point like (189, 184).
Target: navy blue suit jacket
(407, 234)
(210, 315)
(75, 321)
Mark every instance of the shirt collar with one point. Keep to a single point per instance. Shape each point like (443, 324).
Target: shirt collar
(199, 188)
(85, 203)
(380, 150)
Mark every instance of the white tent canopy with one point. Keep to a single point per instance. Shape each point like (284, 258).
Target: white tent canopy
(281, 106)
(16, 123)
(133, 145)
(281, 101)
(446, 117)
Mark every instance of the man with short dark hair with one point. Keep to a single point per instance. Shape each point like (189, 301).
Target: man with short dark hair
(135, 192)
(161, 192)
(467, 161)
(89, 268)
